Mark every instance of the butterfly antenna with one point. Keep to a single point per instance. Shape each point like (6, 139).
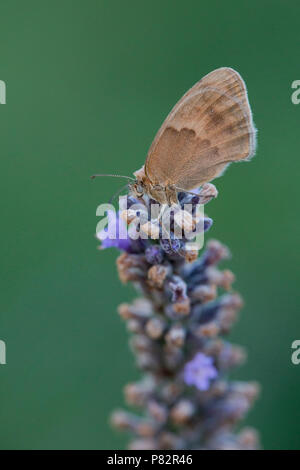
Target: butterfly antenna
(113, 176)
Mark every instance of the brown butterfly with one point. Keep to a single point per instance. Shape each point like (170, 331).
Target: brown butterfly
(210, 127)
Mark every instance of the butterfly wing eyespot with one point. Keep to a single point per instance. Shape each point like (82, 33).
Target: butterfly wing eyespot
(210, 127)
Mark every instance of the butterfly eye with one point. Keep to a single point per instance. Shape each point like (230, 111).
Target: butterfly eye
(139, 190)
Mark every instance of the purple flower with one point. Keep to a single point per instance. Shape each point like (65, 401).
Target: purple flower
(203, 225)
(200, 371)
(177, 314)
(207, 223)
(170, 246)
(154, 254)
(115, 234)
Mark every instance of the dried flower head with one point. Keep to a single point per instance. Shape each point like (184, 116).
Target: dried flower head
(177, 326)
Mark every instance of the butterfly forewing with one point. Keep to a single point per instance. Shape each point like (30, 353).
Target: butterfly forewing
(207, 129)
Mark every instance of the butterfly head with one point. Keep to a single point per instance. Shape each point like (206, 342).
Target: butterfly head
(141, 184)
(137, 188)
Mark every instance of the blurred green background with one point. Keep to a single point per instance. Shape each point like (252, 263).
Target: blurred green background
(88, 85)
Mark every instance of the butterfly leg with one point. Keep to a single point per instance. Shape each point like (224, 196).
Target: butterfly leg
(171, 195)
